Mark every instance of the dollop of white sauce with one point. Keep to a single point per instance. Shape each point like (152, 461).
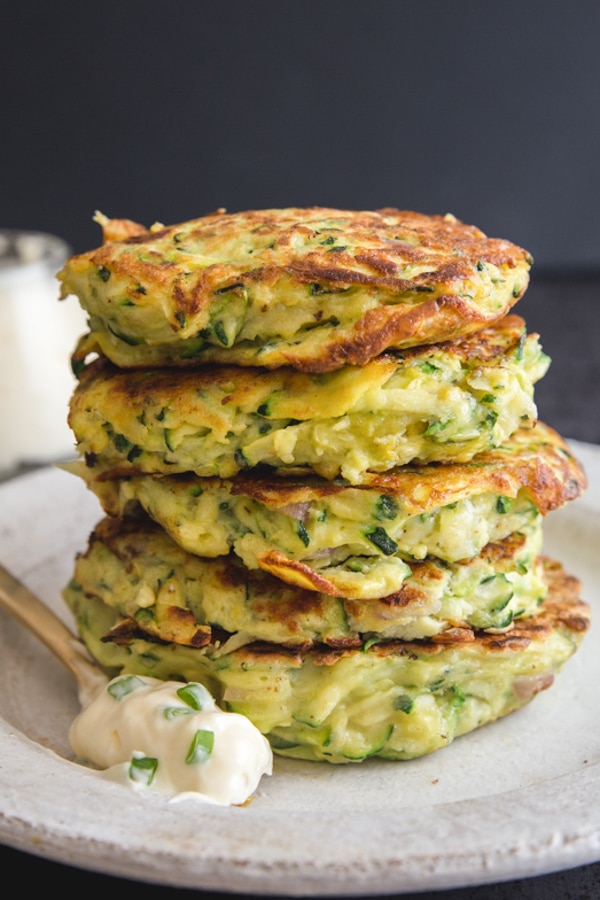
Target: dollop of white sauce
(172, 738)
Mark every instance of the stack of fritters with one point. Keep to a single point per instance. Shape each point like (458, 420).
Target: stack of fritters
(314, 435)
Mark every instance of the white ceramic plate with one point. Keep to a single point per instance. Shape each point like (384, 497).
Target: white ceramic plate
(517, 798)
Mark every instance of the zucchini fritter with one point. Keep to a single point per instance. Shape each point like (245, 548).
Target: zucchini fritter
(163, 592)
(443, 402)
(354, 541)
(315, 289)
(391, 699)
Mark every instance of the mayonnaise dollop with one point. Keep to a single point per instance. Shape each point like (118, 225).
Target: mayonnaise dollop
(172, 738)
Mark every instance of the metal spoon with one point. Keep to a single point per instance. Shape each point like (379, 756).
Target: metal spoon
(31, 612)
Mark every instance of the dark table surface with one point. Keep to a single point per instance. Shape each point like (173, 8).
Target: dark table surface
(563, 310)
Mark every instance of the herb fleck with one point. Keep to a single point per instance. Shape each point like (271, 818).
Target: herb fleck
(381, 539)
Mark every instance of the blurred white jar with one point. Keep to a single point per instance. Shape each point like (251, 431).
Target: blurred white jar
(37, 336)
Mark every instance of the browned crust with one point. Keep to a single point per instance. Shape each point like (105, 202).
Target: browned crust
(536, 460)
(295, 572)
(376, 248)
(377, 239)
(129, 538)
(180, 627)
(121, 229)
(488, 343)
(563, 610)
(500, 551)
(388, 326)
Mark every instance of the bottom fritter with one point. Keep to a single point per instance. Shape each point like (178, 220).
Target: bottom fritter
(389, 698)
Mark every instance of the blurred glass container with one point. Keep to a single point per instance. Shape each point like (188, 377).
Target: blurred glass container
(37, 336)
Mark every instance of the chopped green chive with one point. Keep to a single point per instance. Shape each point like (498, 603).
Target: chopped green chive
(194, 694)
(303, 534)
(403, 703)
(230, 287)
(145, 617)
(240, 459)
(201, 746)
(386, 507)
(436, 427)
(370, 643)
(121, 443)
(221, 334)
(520, 347)
(174, 712)
(458, 698)
(149, 659)
(125, 686)
(381, 539)
(143, 769)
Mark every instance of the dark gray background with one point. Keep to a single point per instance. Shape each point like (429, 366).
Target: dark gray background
(162, 111)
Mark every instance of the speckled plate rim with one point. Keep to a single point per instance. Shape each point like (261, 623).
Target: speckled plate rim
(515, 799)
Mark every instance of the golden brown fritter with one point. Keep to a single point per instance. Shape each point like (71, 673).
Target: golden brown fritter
(163, 592)
(442, 402)
(315, 289)
(354, 541)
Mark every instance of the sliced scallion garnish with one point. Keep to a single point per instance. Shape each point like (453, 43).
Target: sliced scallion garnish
(194, 694)
(174, 712)
(143, 769)
(125, 686)
(201, 746)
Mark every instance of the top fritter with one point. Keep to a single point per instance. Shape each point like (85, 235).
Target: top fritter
(314, 288)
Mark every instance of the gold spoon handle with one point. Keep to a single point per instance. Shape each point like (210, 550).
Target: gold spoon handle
(29, 610)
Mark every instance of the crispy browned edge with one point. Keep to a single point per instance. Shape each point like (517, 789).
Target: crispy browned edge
(450, 246)
(563, 609)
